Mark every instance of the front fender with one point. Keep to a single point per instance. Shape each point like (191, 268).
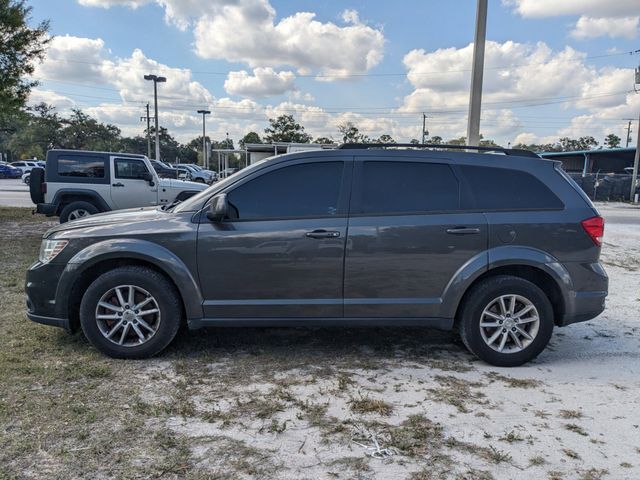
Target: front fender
(504, 256)
(134, 249)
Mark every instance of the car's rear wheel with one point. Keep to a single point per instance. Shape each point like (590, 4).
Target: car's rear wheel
(199, 180)
(506, 320)
(76, 210)
(130, 312)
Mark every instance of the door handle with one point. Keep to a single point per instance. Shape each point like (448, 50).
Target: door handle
(463, 231)
(322, 234)
(117, 184)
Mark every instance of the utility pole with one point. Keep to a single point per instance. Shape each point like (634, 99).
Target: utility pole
(636, 160)
(628, 133)
(148, 119)
(156, 80)
(425, 132)
(477, 70)
(205, 160)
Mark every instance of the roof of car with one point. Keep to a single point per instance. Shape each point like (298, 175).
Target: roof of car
(124, 154)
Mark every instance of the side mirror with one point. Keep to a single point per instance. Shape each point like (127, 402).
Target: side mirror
(146, 176)
(218, 208)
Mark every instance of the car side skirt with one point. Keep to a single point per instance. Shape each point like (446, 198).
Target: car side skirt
(435, 323)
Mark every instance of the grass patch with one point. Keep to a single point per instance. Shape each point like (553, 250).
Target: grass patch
(367, 405)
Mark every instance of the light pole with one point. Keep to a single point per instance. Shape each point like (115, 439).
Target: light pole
(155, 80)
(205, 160)
(475, 99)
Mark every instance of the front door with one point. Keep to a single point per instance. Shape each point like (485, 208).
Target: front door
(128, 185)
(280, 254)
(407, 238)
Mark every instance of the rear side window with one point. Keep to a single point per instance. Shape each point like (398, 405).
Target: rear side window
(505, 189)
(305, 190)
(127, 168)
(81, 166)
(408, 187)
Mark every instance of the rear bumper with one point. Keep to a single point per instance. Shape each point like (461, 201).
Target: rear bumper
(54, 322)
(49, 209)
(587, 300)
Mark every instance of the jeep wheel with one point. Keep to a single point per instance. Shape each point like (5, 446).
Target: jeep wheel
(76, 210)
(130, 312)
(506, 321)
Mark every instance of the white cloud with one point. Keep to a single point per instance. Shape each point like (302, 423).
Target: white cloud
(71, 57)
(264, 82)
(554, 8)
(589, 27)
(513, 72)
(62, 103)
(246, 31)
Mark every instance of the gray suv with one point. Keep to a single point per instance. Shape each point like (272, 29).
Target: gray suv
(503, 247)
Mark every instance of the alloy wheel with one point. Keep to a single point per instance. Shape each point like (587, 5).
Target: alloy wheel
(509, 323)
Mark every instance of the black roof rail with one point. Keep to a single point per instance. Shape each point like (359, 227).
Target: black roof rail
(506, 151)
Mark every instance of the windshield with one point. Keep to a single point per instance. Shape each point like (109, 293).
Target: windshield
(194, 203)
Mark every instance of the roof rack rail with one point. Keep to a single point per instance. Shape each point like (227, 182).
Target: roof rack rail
(506, 151)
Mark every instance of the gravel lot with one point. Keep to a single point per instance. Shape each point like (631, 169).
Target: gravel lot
(306, 403)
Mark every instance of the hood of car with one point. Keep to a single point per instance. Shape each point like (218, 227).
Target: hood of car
(174, 183)
(128, 216)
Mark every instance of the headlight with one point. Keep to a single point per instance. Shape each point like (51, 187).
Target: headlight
(50, 249)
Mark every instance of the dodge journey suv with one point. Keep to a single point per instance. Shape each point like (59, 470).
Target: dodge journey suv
(502, 247)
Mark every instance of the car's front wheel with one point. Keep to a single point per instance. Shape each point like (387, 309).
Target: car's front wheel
(130, 312)
(506, 320)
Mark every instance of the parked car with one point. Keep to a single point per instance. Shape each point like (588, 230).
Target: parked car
(502, 247)
(79, 183)
(8, 171)
(163, 170)
(25, 166)
(197, 175)
(26, 178)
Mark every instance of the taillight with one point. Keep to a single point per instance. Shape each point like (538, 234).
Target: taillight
(594, 227)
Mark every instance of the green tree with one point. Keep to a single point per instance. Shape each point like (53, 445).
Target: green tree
(435, 140)
(612, 140)
(458, 141)
(286, 129)
(85, 133)
(251, 137)
(20, 46)
(351, 134)
(385, 139)
(323, 141)
(583, 143)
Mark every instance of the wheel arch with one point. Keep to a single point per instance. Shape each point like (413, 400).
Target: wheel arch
(65, 196)
(96, 259)
(533, 265)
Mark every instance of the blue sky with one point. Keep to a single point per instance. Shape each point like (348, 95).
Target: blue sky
(380, 64)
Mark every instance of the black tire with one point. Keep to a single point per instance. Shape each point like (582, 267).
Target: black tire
(77, 206)
(163, 293)
(199, 180)
(481, 296)
(36, 178)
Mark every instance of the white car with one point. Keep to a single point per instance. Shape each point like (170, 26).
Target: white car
(25, 165)
(78, 183)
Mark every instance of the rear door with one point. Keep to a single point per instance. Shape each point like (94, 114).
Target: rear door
(408, 236)
(128, 185)
(281, 252)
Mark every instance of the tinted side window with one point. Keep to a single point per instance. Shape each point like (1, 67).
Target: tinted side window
(80, 166)
(505, 189)
(408, 187)
(305, 190)
(130, 169)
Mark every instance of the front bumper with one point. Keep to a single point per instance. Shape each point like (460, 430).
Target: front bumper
(41, 286)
